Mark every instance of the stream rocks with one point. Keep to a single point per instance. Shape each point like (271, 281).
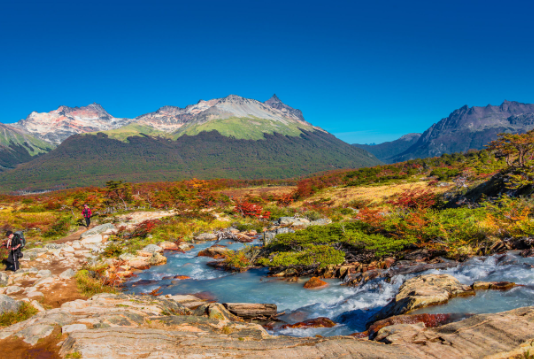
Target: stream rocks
(423, 291)
(216, 251)
(321, 322)
(315, 283)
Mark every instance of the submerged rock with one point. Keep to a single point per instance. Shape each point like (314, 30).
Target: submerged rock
(321, 322)
(493, 285)
(315, 283)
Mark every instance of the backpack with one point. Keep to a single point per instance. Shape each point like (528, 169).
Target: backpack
(20, 235)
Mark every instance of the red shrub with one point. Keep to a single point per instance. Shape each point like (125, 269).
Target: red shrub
(247, 209)
(414, 199)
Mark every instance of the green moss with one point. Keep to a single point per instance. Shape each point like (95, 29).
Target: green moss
(311, 254)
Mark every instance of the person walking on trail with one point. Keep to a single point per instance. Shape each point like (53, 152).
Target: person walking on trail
(87, 214)
(14, 245)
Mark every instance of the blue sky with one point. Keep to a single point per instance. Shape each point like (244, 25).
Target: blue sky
(367, 71)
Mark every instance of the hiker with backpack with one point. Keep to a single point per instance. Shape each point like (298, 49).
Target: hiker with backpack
(15, 243)
(87, 214)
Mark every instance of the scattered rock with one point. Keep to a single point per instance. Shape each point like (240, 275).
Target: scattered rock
(315, 283)
(168, 246)
(91, 240)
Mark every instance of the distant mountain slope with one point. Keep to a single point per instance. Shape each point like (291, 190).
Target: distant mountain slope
(95, 159)
(470, 128)
(55, 126)
(233, 115)
(17, 146)
(387, 150)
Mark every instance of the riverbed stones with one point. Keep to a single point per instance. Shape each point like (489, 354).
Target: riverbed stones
(493, 285)
(251, 310)
(424, 291)
(204, 237)
(320, 322)
(315, 283)
(215, 251)
(152, 248)
(156, 259)
(168, 246)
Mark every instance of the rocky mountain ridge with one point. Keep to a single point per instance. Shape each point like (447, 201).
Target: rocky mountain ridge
(56, 126)
(388, 150)
(470, 128)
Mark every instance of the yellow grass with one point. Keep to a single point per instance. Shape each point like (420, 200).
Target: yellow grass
(240, 193)
(376, 195)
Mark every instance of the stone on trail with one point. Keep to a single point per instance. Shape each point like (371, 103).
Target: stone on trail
(44, 273)
(8, 304)
(73, 328)
(37, 306)
(32, 334)
(98, 230)
(34, 294)
(13, 289)
(4, 279)
(91, 240)
(69, 273)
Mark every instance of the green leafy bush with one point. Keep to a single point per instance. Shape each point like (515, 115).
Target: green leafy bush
(311, 254)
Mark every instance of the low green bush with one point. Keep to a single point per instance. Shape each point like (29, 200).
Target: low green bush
(310, 254)
(25, 311)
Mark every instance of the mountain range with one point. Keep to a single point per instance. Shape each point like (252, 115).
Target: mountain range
(231, 137)
(464, 129)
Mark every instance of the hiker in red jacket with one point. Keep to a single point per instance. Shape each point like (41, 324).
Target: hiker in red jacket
(87, 214)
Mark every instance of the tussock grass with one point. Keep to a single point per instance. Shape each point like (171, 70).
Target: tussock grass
(25, 311)
(89, 286)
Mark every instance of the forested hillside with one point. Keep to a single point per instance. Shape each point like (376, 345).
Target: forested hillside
(84, 160)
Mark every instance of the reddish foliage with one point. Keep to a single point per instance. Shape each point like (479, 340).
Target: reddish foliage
(414, 199)
(371, 216)
(156, 292)
(144, 228)
(247, 209)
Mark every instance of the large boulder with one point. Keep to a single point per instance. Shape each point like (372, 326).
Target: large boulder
(424, 291)
(152, 248)
(215, 251)
(98, 230)
(92, 240)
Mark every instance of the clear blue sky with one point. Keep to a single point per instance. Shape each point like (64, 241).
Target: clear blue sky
(367, 71)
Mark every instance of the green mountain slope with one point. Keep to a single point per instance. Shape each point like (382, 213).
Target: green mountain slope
(17, 147)
(94, 159)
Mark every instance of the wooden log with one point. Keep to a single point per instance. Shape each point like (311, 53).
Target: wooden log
(251, 310)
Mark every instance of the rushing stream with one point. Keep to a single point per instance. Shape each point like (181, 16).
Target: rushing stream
(350, 307)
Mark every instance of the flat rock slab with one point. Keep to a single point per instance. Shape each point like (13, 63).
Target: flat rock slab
(33, 333)
(136, 343)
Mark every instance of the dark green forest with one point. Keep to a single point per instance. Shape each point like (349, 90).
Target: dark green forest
(85, 160)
